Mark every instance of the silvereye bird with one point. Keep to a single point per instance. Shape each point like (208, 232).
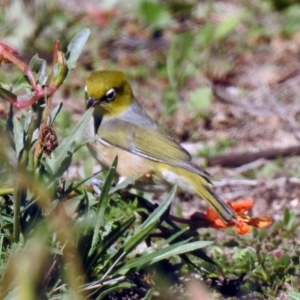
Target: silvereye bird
(123, 129)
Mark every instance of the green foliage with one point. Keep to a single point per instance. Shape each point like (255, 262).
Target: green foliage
(76, 47)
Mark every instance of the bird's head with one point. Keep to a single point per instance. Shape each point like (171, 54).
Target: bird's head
(109, 92)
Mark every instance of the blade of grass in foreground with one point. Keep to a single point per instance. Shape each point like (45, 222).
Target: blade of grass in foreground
(103, 201)
(158, 255)
(148, 226)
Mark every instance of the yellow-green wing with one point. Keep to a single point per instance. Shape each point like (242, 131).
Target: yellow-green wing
(147, 142)
(143, 141)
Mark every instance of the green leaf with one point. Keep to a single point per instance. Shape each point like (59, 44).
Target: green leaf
(284, 261)
(38, 66)
(173, 237)
(55, 112)
(158, 255)
(18, 136)
(108, 241)
(137, 238)
(161, 209)
(61, 156)
(22, 82)
(143, 231)
(64, 163)
(112, 237)
(103, 202)
(75, 48)
(289, 219)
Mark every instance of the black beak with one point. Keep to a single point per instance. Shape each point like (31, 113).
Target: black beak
(90, 102)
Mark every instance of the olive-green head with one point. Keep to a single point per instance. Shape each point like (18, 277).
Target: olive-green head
(109, 92)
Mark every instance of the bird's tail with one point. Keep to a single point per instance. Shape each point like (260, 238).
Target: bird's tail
(204, 190)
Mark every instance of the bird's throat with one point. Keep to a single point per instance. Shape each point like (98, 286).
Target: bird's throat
(97, 123)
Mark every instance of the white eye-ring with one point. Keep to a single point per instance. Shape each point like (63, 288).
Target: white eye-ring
(110, 94)
(85, 89)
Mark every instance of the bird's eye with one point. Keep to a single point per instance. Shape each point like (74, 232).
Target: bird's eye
(110, 95)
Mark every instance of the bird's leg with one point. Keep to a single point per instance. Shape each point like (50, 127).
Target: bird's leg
(96, 185)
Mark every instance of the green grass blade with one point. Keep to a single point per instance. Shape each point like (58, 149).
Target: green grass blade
(173, 237)
(156, 256)
(150, 224)
(108, 241)
(55, 112)
(103, 201)
(161, 209)
(18, 136)
(75, 47)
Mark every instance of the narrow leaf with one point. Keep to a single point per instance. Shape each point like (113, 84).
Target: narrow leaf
(62, 152)
(38, 66)
(161, 209)
(18, 136)
(156, 256)
(108, 241)
(103, 201)
(55, 112)
(149, 225)
(173, 237)
(139, 236)
(75, 47)
(22, 82)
